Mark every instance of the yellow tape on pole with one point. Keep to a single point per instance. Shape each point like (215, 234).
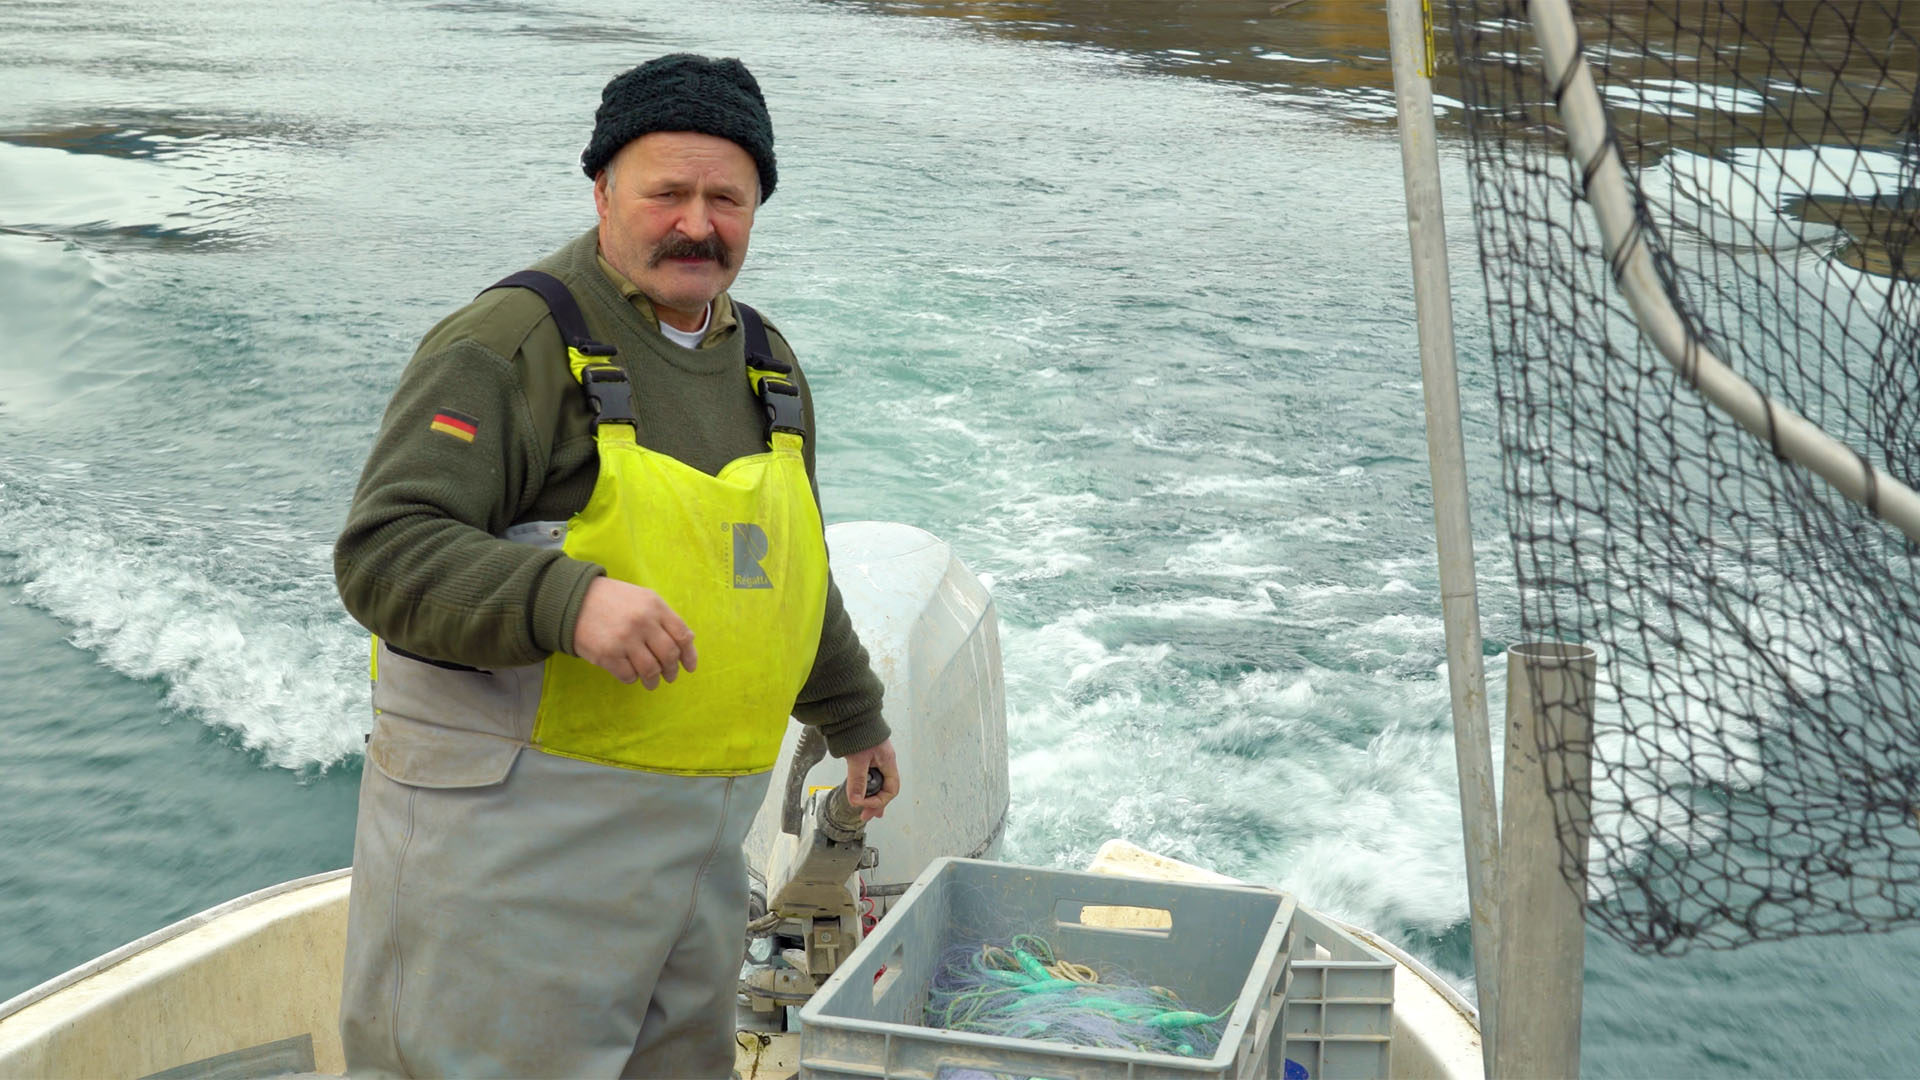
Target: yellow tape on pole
(1426, 20)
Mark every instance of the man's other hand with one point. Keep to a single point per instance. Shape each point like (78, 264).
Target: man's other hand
(880, 757)
(631, 632)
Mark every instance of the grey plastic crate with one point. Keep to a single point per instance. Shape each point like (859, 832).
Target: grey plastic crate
(1225, 944)
(1338, 1021)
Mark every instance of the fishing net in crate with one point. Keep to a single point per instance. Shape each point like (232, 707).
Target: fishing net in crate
(1022, 990)
(1757, 745)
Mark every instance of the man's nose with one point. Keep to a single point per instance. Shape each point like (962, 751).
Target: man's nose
(695, 223)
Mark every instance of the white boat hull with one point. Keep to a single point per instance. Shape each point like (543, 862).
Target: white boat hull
(260, 973)
(258, 979)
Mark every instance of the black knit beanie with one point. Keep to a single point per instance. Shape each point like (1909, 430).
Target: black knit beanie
(684, 92)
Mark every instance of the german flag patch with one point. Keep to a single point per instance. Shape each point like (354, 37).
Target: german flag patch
(459, 425)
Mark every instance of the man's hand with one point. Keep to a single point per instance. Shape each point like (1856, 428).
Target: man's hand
(880, 757)
(632, 633)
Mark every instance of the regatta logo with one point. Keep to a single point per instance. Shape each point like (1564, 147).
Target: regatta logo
(749, 547)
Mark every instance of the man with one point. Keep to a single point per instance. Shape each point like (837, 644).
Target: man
(588, 541)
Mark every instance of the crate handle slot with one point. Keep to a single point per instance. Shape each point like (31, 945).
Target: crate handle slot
(889, 973)
(1113, 918)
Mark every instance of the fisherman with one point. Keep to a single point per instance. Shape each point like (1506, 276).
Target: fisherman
(588, 541)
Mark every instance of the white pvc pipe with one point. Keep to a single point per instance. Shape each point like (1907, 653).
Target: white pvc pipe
(1446, 457)
(1590, 144)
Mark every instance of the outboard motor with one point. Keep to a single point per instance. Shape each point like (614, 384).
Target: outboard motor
(932, 636)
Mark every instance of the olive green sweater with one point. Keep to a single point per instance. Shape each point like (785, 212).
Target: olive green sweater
(420, 562)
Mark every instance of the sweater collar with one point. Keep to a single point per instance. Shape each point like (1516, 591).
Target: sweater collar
(719, 325)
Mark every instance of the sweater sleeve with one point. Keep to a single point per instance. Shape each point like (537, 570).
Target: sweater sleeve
(842, 697)
(419, 562)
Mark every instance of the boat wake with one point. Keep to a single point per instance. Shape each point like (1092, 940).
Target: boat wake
(239, 620)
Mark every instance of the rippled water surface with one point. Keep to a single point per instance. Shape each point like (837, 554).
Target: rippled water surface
(1139, 344)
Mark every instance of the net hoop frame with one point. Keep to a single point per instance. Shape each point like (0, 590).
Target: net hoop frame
(1625, 232)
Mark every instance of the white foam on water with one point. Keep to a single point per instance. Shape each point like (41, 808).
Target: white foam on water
(1034, 534)
(1400, 629)
(956, 426)
(1205, 449)
(1373, 815)
(1237, 486)
(1230, 554)
(1048, 565)
(1337, 786)
(284, 675)
(1254, 604)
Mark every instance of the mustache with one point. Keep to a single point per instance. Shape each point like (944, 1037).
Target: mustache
(679, 246)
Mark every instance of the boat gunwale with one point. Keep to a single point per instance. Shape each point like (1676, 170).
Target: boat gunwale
(20, 1002)
(1447, 991)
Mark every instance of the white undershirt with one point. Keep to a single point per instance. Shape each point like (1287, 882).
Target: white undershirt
(688, 339)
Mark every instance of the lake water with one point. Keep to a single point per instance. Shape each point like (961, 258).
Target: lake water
(1112, 296)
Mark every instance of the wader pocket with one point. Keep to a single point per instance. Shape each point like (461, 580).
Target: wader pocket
(420, 754)
(439, 728)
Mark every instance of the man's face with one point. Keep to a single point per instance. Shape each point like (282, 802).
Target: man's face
(675, 210)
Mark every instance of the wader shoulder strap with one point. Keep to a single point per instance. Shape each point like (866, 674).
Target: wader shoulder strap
(779, 395)
(560, 301)
(759, 351)
(608, 391)
(607, 385)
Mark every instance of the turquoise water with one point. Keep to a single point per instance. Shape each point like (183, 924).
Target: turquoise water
(1140, 345)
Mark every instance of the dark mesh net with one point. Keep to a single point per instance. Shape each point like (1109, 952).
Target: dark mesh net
(1756, 755)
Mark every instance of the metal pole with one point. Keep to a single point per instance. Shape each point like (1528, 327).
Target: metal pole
(1542, 957)
(1410, 32)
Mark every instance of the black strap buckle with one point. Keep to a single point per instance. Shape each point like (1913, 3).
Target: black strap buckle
(610, 394)
(781, 400)
(779, 397)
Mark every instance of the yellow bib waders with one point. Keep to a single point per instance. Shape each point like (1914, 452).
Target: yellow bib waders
(740, 556)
